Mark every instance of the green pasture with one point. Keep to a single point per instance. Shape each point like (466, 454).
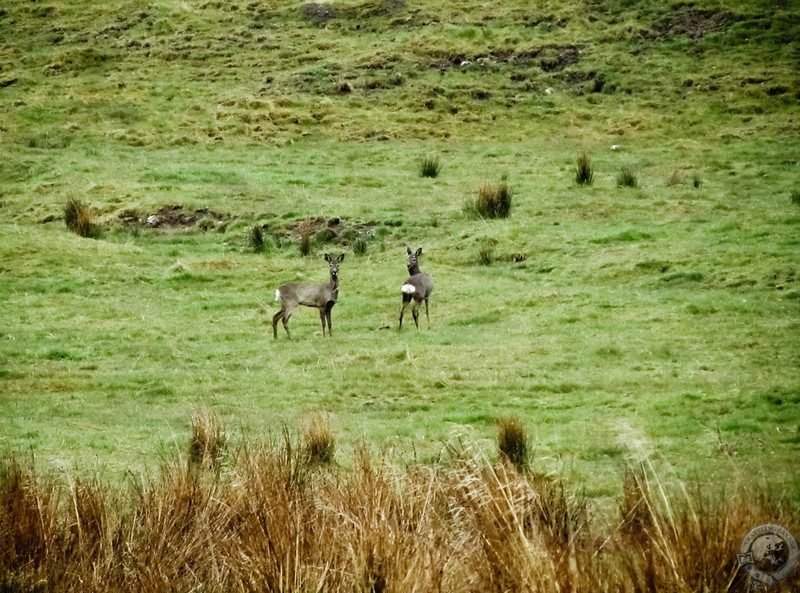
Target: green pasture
(660, 320)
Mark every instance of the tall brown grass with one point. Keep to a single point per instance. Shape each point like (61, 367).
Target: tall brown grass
(584, 170)
(492, 201)
(274, 521)
(207, 443)
(78, 218)
(512, 442)
(319, 438)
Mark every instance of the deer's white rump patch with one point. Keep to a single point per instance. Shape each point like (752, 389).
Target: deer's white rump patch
(408, 289)
(277, 295)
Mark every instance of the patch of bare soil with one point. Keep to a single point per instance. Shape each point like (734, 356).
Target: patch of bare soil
(172, 216)
(318, 12)
(550, 58)
(695, 23)
(330, 230)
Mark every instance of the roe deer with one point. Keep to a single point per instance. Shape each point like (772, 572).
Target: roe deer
(419, 287)
(310, 294)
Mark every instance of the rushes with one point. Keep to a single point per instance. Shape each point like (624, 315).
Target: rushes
(430, 166)
(584, 170)
(78, 218)
(319, 439)
(208, 438)
(269, 522)
(627, 177)
(256, 238)
(512, 442)
(306, 230)
(492, 201)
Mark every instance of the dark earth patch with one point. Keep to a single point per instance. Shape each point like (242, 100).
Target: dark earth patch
(340, 231)
(171, 217)
(695, 23)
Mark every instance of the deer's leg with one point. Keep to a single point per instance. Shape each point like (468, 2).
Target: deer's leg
(322, 319)
(426, 312)
(415, 312)
(286, 323)
(287, 313)
(406, 300)
(328, 316)
(275, 319)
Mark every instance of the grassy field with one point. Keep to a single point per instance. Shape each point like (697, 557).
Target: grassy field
(617, 322)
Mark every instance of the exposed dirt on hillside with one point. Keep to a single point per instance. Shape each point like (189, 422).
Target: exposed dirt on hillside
(550, 58)
(695, 23)
(330, 230)
(172, 216)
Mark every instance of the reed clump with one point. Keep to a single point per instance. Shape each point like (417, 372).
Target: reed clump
(512, 442)
(78, 218)
(271, 521)
(584, 170)
(430, 166)
(208, 439)
(493, 201)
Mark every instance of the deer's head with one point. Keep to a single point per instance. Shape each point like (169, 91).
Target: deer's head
(413, 258)
(333, 264)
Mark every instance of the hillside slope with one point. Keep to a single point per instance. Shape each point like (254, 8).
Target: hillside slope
(143, 73)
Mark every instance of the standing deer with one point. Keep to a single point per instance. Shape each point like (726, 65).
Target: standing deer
(310, 294)
(419, 287)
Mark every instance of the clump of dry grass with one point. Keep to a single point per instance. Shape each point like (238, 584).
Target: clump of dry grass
(492, 201)
(675, 178)
(319, 438)
(207, 443)
(512, 442)
(270, 522)
(584, 170)
(306, 232)
(78, 218)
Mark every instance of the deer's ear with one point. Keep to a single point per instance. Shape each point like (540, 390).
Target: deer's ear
(341, 258)
(408, 250)
(327, 257)
(419, 252)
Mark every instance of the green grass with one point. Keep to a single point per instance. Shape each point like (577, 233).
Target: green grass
(611, 320)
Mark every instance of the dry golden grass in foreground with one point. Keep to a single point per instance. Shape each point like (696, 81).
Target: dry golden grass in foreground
(273, 520)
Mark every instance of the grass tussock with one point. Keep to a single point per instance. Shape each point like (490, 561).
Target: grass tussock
(271, 523)
(256, 239)
(627, 177)
(360, 246)
(319, 438)
(675, 178)
(306, 233)
(208, 440)
(584, 170)
(78, 219)
(430, 166)
(512, 442)
(486, 255)
(493, 201)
